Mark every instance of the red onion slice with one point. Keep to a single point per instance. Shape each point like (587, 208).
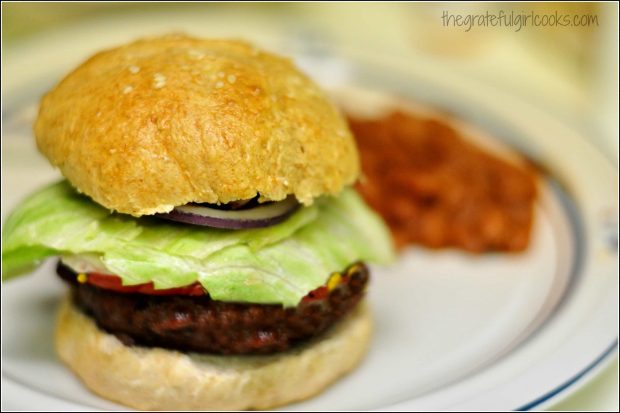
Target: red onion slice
(260, 216)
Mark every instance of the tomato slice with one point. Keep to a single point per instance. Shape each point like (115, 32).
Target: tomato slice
(114, 283)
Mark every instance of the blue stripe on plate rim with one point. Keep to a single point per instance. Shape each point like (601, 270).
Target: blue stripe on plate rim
(577, 378)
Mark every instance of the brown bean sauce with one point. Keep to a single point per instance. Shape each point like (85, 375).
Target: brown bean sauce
(435, 189)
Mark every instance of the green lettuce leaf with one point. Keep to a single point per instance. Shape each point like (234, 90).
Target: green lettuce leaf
(278, 264)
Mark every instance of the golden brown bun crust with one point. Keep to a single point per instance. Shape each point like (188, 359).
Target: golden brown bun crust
(166, 121)
(158, 379)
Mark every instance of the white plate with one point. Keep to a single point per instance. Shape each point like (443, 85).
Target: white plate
(453, 330)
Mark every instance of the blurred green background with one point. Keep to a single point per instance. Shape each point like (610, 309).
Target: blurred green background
(569, 72)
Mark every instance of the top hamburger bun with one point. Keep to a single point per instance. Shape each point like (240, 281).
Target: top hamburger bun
(166, 121)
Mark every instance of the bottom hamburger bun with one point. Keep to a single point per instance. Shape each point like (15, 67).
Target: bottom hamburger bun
(158, 379)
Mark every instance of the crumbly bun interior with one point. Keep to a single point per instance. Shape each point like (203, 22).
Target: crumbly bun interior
(165, 121)
(158, 379)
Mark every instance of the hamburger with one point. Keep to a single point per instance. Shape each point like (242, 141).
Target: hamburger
(215, 253)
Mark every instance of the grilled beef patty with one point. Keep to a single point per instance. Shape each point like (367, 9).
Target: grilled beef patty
(200, 324)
